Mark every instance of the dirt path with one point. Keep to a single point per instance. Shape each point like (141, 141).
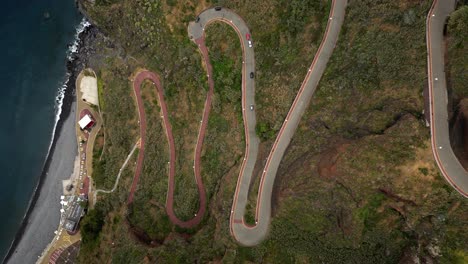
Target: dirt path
(137, 82)
(243, 233)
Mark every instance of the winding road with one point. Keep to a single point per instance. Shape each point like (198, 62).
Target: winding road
(448, 163)
(248, 235)
(243, 233)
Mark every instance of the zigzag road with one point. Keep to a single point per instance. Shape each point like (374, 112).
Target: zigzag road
(244, 234)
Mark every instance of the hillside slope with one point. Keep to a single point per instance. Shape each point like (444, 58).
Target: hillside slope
(358, 183)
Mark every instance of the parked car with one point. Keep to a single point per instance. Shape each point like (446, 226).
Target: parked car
(218, 8)
(251, 75)
(251, 107)
(197, 19)
(250, 43)
(247, 36)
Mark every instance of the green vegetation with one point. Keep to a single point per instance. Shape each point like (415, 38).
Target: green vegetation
(455, 249)
(119, 141)
(358, 183)
(100, 85)
(91, 226)
(457, 50)
(424, 171)
(149, 205)
(264, 131)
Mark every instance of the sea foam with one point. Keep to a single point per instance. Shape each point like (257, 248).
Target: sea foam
(71, 52)
(71, 56)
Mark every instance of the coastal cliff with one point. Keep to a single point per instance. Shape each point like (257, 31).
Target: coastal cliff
(358, 171)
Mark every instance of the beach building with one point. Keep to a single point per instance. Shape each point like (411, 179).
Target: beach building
(75, 213)
(86, 121)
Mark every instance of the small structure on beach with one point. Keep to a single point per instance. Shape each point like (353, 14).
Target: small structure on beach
(86, 122)
(75, 213)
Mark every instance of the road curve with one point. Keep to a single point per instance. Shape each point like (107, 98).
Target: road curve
(137, 82)
(243, 233)
(448, 163)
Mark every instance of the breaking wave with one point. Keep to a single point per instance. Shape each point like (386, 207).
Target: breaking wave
(71, 52)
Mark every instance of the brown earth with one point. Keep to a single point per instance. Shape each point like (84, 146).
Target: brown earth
(327, 164)
(141, 236)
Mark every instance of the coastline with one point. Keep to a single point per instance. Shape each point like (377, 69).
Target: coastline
(75, 63)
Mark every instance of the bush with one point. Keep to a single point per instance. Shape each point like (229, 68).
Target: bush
(91, 226)
(264, 131)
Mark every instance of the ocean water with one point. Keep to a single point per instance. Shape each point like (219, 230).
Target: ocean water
(34, 44)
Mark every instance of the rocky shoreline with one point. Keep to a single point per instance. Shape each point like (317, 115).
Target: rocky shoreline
(78, 61)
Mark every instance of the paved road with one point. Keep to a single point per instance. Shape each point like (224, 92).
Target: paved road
(243, 233)
(448, 163)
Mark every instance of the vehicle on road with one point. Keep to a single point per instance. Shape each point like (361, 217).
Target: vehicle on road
(197, 19)
(218, 8)
(252, 75)
(247, 37)
(251, 107)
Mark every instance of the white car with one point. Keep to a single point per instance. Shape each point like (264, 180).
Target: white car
(250, 43)
(251, 107)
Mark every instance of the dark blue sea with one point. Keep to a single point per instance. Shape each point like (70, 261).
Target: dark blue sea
(34, 43)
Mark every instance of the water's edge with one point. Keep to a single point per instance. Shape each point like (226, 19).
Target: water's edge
(64, 99)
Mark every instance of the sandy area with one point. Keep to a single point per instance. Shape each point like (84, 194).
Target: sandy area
(73, 178)
(45, 216)
(88, 87)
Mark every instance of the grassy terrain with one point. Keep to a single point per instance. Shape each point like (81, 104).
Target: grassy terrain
(150, 196)
(358, 183)
(122, 113)
(457, 50)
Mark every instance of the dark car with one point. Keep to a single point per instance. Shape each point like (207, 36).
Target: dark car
(218, 8)
(251, 75)
(197, 19)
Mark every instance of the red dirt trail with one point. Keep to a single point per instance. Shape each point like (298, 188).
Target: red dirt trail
(139, 78)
